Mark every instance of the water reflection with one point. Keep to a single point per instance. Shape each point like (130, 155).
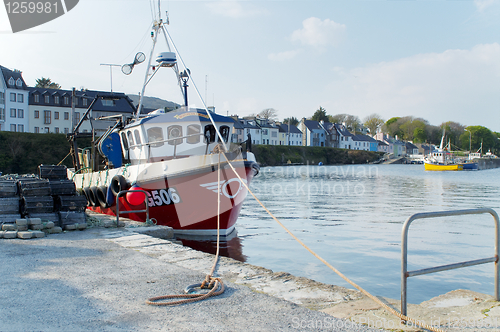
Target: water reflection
(353, 215)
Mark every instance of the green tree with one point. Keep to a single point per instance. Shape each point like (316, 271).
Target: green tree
(46, 83)
(373, 122)
(320, 115)
(454, 131)
(479, 134)
(392, 127)
(293, 121)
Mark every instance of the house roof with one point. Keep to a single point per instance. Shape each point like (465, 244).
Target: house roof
(363, 138)
(411, 146)
(16, 75)
(237, 123)
(382, 143)
(120, 103)
(342, 130)
(312, 125)
(293, 129)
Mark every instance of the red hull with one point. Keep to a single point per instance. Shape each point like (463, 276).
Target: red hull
(189, 202)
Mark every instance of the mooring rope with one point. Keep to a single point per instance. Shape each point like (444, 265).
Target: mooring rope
(375, 299)
(215, 285)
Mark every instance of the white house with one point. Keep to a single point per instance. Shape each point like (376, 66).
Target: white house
(13, 101)
(51, 110)
(293, 136)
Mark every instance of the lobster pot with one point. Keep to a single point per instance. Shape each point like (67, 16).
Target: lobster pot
(71, 203)
(9, 205)
(9, 218)
(37, 204)
(71, 218)
(34, 187)
(8, 188)
(53, 172)
(62, 187)
(46, 217)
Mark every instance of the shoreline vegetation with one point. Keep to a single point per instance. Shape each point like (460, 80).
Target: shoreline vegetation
(21, 153)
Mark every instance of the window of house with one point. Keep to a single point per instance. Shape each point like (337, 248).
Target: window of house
(174, 131)
(20, 128)
(37, 130)
(66, 100)
(12, 96)
(66, 115)
(108, 102)
(13, 112)
(20, 113)
(137, 136)
(56, 130)
(47, 99)
(36, 98)
(2, 113)
(2, 98)
(20, 98)
(13, 127)
(47, 130)
(193, 132)
(11, 81)
(56, 115)
(36, 114)
(155, 137)
(77, 117)
(19, 83)
(84, 101)
(56, 99)
(47, 117)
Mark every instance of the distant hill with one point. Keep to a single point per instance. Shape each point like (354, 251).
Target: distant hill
(153, 103)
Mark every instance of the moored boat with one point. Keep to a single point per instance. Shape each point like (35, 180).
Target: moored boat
(178, 163)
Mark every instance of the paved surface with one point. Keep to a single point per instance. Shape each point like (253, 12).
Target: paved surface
(96, 280)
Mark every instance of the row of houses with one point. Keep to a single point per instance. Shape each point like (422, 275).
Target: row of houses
(42, 110)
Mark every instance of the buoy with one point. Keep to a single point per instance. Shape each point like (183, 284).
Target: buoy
(135, 198)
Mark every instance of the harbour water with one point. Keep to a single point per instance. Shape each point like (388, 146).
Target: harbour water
(352, 216)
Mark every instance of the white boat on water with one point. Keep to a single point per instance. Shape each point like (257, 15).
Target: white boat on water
(183, 160)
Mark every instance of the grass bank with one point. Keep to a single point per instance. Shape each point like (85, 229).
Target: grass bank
(275, 155)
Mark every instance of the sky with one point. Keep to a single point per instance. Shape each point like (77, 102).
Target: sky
(435, 59)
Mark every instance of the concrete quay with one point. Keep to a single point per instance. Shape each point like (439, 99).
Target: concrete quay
(99, 279)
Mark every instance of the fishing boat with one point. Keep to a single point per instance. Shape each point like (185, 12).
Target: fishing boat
(180, 163)
(442, 159)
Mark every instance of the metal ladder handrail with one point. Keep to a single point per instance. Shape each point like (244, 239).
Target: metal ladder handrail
(405, 274)
(123, 192)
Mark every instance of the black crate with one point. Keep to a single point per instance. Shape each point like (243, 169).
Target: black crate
(9, 205)
(53, 172)
(8, 188)
(34, 187)
(62, 187)
(37, 204)
(71, 203)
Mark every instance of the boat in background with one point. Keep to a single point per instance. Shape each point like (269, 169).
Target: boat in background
(179, 163)
(442, 159)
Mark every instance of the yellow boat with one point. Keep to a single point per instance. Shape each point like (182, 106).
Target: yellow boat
(442, 167)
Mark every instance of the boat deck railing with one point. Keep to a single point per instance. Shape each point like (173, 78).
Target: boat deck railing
(405, 274)
(123, 192)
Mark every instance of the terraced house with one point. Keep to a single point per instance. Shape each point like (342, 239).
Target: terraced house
(13, 101)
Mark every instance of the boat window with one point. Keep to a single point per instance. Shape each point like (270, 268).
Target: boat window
(130, 138)
(137, 137)
(224, 132)
(174, 132)
(125, 142)
(193, 132)
(155, 136)
(209, 134)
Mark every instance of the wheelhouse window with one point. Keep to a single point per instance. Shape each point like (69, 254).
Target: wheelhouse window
(193, 133)
(155, 137)
(174, 131)
(209, 134)
(130, 138)
(137, 136)
(125, 142)
(224, 132)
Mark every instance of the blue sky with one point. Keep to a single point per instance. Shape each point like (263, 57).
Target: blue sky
(439, 60)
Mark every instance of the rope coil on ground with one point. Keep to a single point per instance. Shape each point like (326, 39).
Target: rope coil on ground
(215, 285)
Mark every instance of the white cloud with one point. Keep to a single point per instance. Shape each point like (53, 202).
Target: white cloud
(481, 5)
(316, 32)
(233, 9)
(282, 56)
(456, 85)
